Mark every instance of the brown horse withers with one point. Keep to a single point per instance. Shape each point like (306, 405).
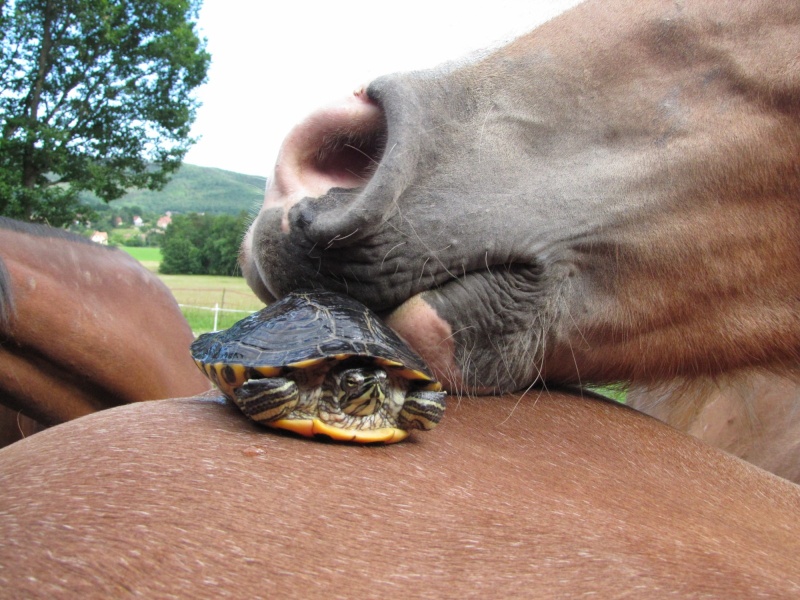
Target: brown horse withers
(543, 496)
(609, 197)
(82, 328)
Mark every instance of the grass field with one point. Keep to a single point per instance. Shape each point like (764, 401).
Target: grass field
(149, 257)
(198, 295)
(614, 392)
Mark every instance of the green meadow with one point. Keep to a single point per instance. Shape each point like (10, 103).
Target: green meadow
(149, 257)
(202, 297)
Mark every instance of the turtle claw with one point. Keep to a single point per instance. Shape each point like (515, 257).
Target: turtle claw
(423, 409)
(267, 400)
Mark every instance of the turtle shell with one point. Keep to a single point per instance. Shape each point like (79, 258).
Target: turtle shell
(300, 331)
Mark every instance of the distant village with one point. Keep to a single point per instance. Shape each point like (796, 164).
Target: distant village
(138, 237)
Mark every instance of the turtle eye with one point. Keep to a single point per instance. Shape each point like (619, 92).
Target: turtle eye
(353, 380)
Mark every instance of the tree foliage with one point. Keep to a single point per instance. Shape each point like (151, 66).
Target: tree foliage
(96, 95)
(203, 244)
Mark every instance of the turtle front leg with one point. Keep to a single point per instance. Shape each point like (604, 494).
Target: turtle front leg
(422, 410)
(267, 400)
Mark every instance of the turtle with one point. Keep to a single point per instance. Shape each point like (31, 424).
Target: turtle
(320, 363)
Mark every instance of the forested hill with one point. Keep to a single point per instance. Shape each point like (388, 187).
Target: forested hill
(198, 189)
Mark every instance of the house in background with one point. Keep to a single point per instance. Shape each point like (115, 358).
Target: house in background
(100, 237)
(137, 221)
(164, 221)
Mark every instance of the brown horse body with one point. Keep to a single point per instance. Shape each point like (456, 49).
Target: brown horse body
(83, 328)
(641, 158)
(535, 497)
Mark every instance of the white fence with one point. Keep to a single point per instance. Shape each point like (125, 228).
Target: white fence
(216, 310)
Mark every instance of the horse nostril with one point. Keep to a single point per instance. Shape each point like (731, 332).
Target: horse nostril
(336, 147)
(350, 158)
(304, 216)
(325, 172)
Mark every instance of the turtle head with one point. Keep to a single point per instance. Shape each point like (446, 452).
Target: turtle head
(360, 391)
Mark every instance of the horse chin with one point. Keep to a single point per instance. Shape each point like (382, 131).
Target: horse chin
(418, 323)
(250, 270)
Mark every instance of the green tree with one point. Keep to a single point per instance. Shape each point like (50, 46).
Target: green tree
(203, 244)
(96, 95)
(180, 257)
(221, 249)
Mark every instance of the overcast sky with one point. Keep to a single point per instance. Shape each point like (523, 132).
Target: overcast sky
(275, 62)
